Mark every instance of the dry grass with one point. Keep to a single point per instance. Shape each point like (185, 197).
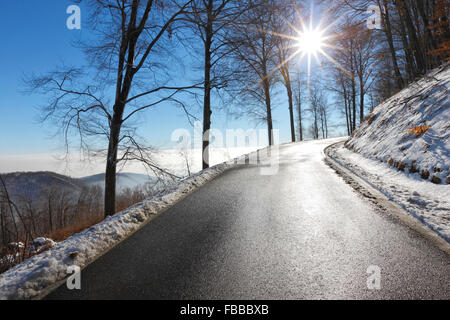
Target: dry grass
(66, 232)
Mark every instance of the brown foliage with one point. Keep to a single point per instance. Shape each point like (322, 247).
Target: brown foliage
(413, 168)
(66, 232)
(418, 131)
(436, 180)
(425, 174)
(55, 219)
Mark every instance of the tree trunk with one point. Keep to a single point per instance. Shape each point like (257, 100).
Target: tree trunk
(300, 119)
(388, 32)
(2, 225)
(207, 87)
(412, 34)
(266, 87)
(422, 7)
(361, 97)
(50, 215)
(269, 110)
(347, 115)
(410, 64)
(32, 217)
(353, 99)
(354, 105)
(291, 110)
(322, 122)
(316, 125)
(111, 167)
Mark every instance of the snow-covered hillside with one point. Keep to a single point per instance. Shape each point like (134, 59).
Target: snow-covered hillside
(428, 203)
(411, 130)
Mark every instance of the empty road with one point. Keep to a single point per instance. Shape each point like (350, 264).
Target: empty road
(299, 234)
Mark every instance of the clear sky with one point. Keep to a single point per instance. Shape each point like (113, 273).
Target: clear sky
(35, 39)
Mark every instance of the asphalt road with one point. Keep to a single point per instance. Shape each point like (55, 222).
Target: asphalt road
(299, 234)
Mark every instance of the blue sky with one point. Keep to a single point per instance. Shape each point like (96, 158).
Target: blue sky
(35, 39)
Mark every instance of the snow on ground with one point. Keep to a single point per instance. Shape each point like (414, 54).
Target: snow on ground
(34, 276)
(424, 104)
(427, 202)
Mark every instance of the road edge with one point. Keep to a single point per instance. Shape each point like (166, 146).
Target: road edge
(369, 191)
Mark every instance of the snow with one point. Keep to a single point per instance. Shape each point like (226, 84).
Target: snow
(429, 203)
(34, 276)
(40, 244)
(384, 135)
(16, 246)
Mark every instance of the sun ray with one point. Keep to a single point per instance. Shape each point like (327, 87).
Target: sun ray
(292, 26)
(336, 63)
(302, 22)
(295, 54)
(332, 46)
(309, 42)
(282, 35)
(312, 41)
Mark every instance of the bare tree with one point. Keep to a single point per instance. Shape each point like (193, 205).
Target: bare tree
(255, 54)
(387, 28)
(7, 206)
(323, 116)
(298, 88)
(130, 34)
(211, 21)
(315, 105)
(284, 21)
(366, 60)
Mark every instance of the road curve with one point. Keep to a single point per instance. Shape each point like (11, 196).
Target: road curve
(299, 234)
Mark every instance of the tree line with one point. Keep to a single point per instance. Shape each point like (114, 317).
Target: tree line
(413, 38)
(52, 212)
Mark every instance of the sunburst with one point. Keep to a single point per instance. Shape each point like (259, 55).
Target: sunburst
(307, 42)
(312, 42)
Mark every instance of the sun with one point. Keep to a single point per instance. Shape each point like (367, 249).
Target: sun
(311, 41)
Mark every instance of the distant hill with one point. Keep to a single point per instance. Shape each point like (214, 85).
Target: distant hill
(123, 180)
(411, 130)
(32, 184)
